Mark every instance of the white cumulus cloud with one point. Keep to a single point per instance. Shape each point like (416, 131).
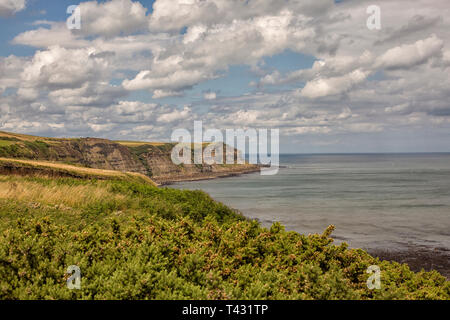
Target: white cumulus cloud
(10, 7)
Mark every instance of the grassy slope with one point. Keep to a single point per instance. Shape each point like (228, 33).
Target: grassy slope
(22, 137)
(46, 168)
(8, 138)
(135, 241)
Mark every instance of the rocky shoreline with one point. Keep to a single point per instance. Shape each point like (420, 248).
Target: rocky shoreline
(232, 172)
(418, 258)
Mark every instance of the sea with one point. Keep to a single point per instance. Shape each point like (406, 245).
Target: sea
(389, 201)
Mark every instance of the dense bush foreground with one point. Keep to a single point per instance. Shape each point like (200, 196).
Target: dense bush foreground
(136, 241)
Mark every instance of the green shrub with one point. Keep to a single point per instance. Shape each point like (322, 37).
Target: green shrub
(161, 243)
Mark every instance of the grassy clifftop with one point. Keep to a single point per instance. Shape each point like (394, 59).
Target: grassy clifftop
(19, 167)
(149, 158)
(132, 240)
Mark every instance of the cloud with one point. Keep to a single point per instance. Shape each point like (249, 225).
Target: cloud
(209, 95)
(158, 94)
(308, 130)
(60, 77)
(204, 51)
(410, 55)
(98, 95)
(175, 115)
(10, 7)
(176, 14)
(323, 68)
(112, 18)
(58, 34)
(107, 79)
(401, 108)
(58, 68)
(165, 83)
(10, 69)
(363, 127)
(417, 24)
(332, 86)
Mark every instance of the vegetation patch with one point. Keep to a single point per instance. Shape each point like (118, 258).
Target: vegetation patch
(6, 143)
(135, 241)
(57, 169)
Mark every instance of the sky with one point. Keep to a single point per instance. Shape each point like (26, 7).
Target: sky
(138, 70)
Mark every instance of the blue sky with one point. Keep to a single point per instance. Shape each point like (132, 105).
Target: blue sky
(315, 71)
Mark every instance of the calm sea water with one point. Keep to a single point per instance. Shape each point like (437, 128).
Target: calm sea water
(375, 201)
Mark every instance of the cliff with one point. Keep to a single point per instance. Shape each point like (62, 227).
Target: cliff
(150, 159)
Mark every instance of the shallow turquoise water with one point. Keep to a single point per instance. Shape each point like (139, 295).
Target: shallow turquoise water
(375, 201)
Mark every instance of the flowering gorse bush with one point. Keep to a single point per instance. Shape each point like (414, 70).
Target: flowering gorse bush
(137, 241)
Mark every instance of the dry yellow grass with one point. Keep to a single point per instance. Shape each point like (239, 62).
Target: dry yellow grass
(139, 143)
(57, 165)
(26, 137)
(53, 194)
(23, 137)
(80, 170)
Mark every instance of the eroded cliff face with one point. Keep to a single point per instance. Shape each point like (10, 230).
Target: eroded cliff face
(105, 154)
(151, 159)
(89, 152)
(157, 159)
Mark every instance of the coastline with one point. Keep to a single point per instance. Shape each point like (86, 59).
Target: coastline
(416, 257)
(176, 232)
(232, 172)
(427, 255)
